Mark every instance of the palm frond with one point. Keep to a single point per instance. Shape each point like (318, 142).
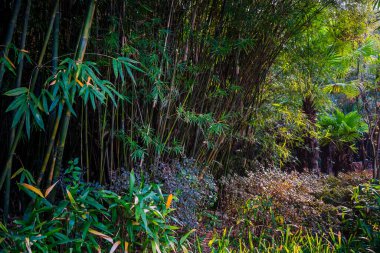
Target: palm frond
(348, 89)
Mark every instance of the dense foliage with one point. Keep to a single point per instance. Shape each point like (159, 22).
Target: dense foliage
(259, 119)
(85, 219)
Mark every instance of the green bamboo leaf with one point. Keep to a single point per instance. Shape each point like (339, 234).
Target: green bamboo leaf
(60, 109)
(28, 176)
(54, 104)
(99, 95)
(106, 89)
(85, 230)
(37, 116)
(115, 68)
(90, 72)
(115, 92)
(184, 238)
(36, 101)
(27, 57)
(132, 180)
(86, 95)
(17, 172)
(134, 67)
(9, 65)
(56, 88)
(17, 102)
(130, 74)
(69, 106)
(126, 59)
(2, 227)
(92, 99)
(16, 92)
(70, 196)
(27, 123)
(52, 232)
(45, 105)
(82, 90)
(120, 67)
(19, 113)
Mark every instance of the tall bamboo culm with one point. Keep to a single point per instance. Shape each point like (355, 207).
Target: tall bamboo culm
(66, 120)
(8, 164)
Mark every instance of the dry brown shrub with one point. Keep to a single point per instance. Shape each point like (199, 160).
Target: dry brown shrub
(303, 199)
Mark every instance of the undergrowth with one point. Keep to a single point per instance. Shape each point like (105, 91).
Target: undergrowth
(140, 218)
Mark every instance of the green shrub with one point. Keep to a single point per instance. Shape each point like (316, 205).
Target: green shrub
(92, 219)
(260, 229)
(264, 230)
(195, 189)
(363, 220)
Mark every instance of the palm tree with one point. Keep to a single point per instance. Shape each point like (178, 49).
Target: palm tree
(338, 134)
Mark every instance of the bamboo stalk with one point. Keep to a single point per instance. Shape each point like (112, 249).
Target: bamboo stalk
(55, 125)
(102, 131)
(44, 47)
(86, 143)
(32, 85)
(20, 69)
(8, 164)
(56, 41)
(9, 36)
(49, 149)
(66, 119)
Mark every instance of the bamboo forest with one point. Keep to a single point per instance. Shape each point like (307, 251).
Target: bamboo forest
(195, 126)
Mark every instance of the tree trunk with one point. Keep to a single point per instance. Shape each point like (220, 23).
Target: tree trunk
(330, 159)
(312, 149)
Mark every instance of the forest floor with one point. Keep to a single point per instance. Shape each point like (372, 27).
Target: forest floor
(302, 200)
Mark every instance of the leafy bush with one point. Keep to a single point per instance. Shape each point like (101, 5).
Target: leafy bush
(342, 129)
(302, 199)
(274, 211)
(92, 219)
(294, 196)
(338, 190)
(363, 220)
(259, 228)
(257, 217)
(338, 133)
(287, 241)
(195, 190)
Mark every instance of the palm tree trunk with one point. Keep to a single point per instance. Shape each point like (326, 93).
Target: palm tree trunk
(330, 159)
(312, 155)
